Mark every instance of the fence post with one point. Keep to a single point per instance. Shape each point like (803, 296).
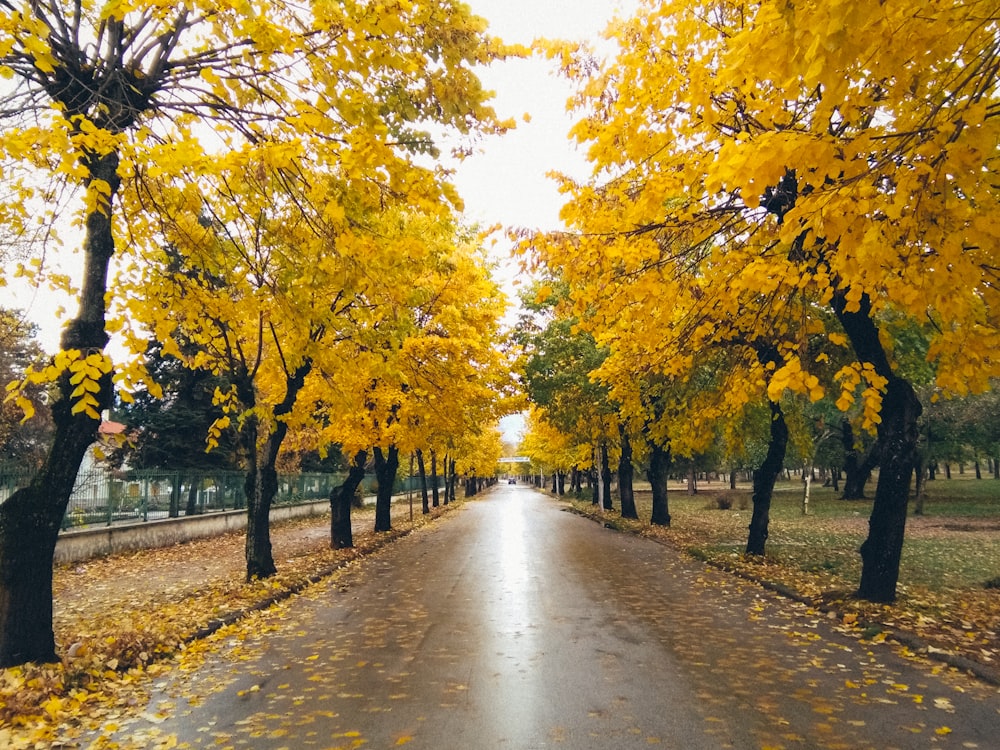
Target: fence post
(106, 482)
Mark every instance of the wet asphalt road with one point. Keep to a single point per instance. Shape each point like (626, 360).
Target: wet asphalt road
(515, 624)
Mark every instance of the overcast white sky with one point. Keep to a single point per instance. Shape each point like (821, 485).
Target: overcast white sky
(507, 183)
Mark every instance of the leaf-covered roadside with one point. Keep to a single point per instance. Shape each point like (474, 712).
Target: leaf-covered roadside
(956, 624)
(119, 619)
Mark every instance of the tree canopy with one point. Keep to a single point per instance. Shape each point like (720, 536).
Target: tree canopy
(194, 125)
(765, 174)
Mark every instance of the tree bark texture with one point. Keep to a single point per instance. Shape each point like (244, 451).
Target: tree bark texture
(626, 494)
(386, 465)
(897, 453)
(658, 472)
(763, 481)
(30, 519)
(341, 499)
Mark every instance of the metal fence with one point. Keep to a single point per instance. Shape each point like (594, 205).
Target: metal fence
(103, 497)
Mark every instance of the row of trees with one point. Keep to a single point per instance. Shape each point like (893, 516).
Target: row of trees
(261, 180)
(573, 416)
(783, 196)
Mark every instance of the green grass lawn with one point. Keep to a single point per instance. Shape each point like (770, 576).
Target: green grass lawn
(954, 544)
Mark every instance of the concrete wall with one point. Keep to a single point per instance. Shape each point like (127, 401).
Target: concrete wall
(83, 544)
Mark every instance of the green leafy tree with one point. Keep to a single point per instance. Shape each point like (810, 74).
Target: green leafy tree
(166, 431)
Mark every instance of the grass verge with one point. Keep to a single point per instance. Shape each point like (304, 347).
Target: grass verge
(948, 603)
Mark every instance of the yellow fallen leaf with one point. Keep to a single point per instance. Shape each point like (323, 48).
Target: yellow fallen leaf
(53, 706)
(942, 730)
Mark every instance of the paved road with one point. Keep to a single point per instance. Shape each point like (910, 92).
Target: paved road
(514, 624)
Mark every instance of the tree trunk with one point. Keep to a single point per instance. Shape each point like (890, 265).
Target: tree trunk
(454, 483)
(425, 505)
(30, 519)
(857, 465)
(607, 504)
(883, 549)
(918, 501)
(659, 468)
(341, 499)
(386, 465)
(175, 496)
(261, 485)
(692, 483)
(260, 488)
(192, 502)
(626, 494)
(763, 481)
(595, 481)
(897, 450)
(435, 501)
(29, 526)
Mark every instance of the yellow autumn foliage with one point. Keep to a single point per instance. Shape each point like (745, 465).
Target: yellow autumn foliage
(750, 161)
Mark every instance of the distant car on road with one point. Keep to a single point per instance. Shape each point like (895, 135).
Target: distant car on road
(511, 481)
